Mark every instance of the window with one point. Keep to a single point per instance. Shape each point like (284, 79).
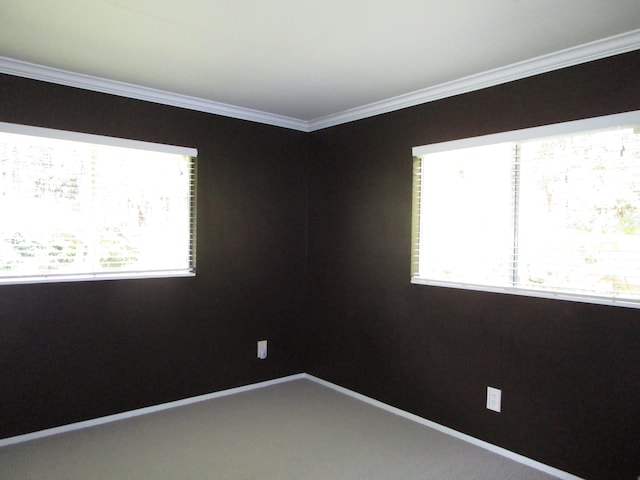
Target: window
(83, 207)
(552, 211)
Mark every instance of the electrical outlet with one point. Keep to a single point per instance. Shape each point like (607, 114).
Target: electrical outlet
(494, 399)
(262, 349)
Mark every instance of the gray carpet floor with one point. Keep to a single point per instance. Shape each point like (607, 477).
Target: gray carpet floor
(294, 430)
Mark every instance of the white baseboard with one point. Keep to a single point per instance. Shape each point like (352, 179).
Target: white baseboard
(143, 411)
(449, 431)
(232, 391)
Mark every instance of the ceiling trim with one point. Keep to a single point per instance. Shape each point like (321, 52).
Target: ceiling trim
(607, 47)
(88, 82)
(587, 52)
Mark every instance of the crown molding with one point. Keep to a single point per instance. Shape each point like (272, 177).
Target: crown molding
(607, 47)
(587, 52)
(88, 82)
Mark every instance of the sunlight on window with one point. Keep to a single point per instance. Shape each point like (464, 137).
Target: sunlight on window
(85, 209)
(580, 208)
(466, 215)
(551, 210)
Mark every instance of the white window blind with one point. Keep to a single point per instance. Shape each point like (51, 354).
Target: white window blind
(552, 211)
(78, 207)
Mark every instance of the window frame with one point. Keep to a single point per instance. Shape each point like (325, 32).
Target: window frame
(102, 140)
(621, 120)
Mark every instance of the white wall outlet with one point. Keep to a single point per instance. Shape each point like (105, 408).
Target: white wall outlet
(262, 349)
(494, 399)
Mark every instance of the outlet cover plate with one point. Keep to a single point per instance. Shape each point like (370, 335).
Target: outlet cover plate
(494, 399)
(262, 349)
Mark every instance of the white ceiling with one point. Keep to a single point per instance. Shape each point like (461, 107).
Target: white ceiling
(299, 60)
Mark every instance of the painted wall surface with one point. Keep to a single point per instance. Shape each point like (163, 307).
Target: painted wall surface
(283, 213)
(569, 372)
(76, 351)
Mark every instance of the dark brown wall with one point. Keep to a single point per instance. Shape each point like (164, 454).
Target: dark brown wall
(75, 351)
(569, 372)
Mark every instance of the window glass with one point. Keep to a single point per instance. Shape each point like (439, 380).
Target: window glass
(551, 211)
(460, 241)
(84, 207)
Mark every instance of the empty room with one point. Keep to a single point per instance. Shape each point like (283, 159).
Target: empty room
(323, 240)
